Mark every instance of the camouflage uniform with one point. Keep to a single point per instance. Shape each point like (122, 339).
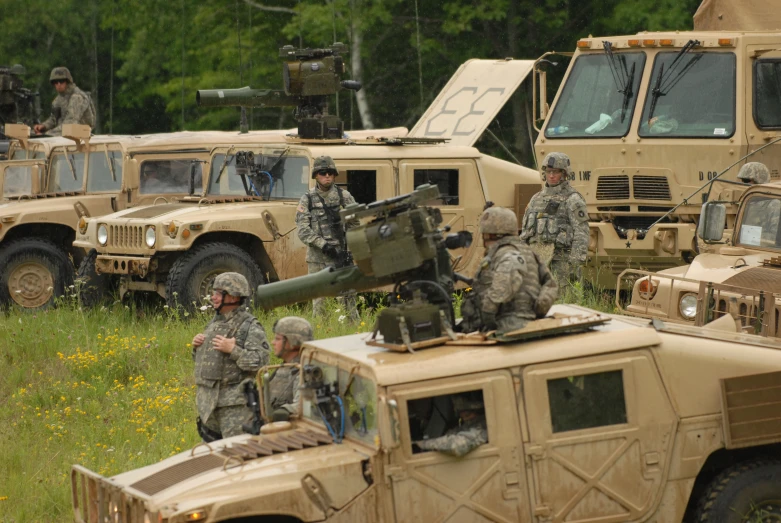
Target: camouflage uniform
(316, 229)
(508, 285)
(73, 106)
(219, 376)
(284, 383)
(558, 216)
(463, 439)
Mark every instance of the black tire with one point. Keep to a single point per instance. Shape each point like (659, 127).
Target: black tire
(33, 272)
(94, 289)
(747, 492)
(191, 276)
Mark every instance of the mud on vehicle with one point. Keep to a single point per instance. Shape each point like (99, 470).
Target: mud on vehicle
(585, 424)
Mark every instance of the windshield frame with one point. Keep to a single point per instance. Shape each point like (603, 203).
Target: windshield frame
(740, 223)
(649, 92)
(273, 151)
(345, 369)
(567, 88)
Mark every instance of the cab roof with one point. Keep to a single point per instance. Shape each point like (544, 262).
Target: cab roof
(392, 368)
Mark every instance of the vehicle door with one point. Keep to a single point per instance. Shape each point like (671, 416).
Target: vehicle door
(761, 107)
(601, 434)
(486, 484)
(461, 201)
(20, 178)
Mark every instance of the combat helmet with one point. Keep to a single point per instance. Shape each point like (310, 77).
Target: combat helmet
(754, 172)
(232, 283)
(499, 221)
(467, 402)
(324, 163)
(18, 70)
(557, 161)
(296, 329)
(60, 73)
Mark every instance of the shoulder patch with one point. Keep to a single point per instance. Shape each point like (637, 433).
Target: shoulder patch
(300, 208)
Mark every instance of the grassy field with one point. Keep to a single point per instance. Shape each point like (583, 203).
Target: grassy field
(110, 389)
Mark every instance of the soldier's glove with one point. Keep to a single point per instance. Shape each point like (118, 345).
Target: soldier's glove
(280, 415)
(489, 322)
(331, 251)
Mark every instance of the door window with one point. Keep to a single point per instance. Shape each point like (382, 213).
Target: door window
(451, 423)
(445, 179)
(586, 401)
(362, 184)
(767, 93)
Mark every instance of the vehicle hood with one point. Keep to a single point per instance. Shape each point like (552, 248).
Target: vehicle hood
(46, 206)
(193, 211)
(745, 271)
(236, 469)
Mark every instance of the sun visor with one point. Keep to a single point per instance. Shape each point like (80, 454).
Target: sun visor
(471, 99)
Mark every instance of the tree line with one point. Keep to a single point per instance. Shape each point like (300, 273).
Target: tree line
(143, 60)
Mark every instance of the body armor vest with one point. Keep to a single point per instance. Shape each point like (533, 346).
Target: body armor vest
(213, 366)
(547, 219)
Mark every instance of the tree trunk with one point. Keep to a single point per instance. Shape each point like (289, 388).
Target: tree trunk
(522, 143)
(357, 71)
(94, 63)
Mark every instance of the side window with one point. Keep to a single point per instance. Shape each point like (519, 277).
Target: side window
(436, 422)
(99, 173)
(767, 92)
(446, 179)
(17, 180)
(362, 184)
(587, 401)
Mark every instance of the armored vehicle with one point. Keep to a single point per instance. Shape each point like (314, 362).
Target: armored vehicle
(243, 217)
(745, 268)
(67, 180)
(598, 425)
(646, 118)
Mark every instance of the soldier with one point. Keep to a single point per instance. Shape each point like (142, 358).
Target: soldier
(72, 105)
(320, 228)
(754, 173)
(469, 434)
(512, 285)
(556, 217)
(290, 333)
(227, 353)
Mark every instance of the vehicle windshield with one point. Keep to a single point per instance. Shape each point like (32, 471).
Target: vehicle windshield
(170, 176)
(66, 173)
(28, 154)
(358, 404)
(17, 180)
(275, 177)
(105, 171)
(592, 102)
(759, 224)
(695, 97)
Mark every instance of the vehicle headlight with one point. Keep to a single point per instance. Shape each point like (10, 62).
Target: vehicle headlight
(688, 306)
(150, 236)
(102, 234)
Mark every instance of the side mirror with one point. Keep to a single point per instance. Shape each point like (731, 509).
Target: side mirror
(713, 220)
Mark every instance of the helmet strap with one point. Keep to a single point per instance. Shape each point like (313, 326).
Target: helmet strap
(222, 301)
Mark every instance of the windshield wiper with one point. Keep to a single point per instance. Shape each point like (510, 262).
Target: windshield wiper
(225, 162)
(109, 160)
(281, 156)
(663, 82)
(70, 164)
(622, 77)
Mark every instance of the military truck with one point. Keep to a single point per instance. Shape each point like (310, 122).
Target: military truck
(602, 425)
(67, 180)
(176, 250)
(748, 261)
(647, 118)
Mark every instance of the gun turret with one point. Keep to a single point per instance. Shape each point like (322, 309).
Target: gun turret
(17, 104)
(399, 242)
(309, 77)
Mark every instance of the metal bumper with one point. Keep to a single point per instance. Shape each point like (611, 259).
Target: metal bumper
(132, 265)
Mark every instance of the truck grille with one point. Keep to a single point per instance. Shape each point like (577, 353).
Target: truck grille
(96, 500)
(126, 236)
(613, 187)
(650, 188)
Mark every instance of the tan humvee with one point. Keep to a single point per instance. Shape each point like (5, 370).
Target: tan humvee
(641, 140)
(176, 250)
(79, 176)
(747, 262)
(628, 422)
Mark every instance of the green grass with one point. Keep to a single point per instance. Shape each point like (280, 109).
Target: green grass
(110, 389)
